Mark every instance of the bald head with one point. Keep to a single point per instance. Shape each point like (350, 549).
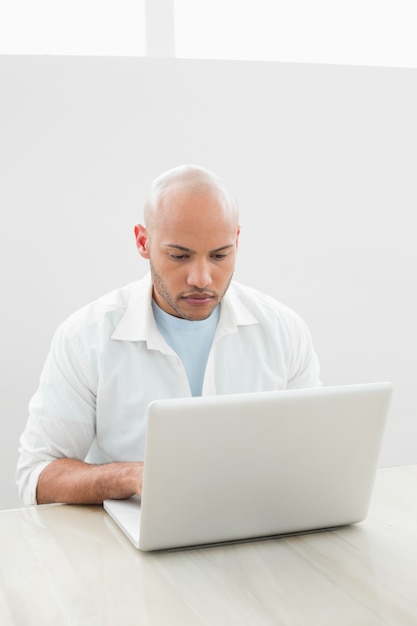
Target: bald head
(187, 180)
(190, 238)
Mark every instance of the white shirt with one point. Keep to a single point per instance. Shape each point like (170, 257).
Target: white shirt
(108, 361)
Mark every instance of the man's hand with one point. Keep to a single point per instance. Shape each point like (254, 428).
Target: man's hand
(74, 482)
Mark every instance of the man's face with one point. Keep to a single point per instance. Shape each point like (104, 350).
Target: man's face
(191, 244)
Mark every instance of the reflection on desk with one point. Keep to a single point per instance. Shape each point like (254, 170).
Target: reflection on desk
(64, 565)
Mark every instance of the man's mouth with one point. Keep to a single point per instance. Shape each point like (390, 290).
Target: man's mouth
(198, 299)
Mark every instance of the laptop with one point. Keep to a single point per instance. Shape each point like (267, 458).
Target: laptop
(247, 466)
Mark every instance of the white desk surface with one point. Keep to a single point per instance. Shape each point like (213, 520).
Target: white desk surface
(70, 565)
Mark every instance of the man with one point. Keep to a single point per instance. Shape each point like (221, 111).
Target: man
(186, 329)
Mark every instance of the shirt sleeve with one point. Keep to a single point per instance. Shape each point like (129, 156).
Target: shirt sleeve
(61, 422)
(304, 371)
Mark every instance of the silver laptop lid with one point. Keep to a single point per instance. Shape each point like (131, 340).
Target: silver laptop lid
(235, 467)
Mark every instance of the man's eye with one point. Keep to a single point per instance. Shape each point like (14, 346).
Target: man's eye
(219, 256)
(178, 257)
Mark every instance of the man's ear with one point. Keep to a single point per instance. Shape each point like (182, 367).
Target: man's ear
(237, 238)
(142, 240)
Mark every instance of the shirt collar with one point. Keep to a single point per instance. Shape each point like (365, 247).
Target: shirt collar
(135, 326)
(233, 313)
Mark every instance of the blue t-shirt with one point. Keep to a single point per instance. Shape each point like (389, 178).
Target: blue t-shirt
(191, 340)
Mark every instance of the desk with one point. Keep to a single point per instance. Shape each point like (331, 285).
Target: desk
(70, 565)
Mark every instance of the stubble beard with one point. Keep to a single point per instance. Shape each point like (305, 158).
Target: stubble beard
(161, 289)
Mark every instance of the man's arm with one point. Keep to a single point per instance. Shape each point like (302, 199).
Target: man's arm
(74, 482)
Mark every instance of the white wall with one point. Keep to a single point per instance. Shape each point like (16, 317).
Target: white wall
(323, 160)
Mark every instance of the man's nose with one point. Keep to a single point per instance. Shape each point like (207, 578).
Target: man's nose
(199, 275)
